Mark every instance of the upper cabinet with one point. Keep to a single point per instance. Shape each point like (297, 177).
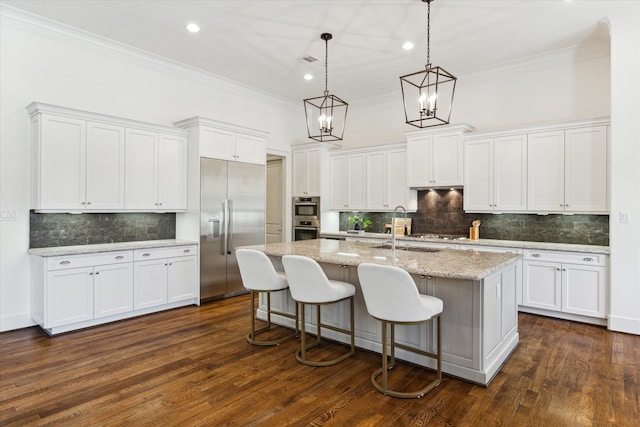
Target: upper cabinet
(568, 170)
(552, 168)
(435, 156)
(495, 174)
(85, 162)
(347, 174)
(306, 172)
(386, 180)
(219, 140)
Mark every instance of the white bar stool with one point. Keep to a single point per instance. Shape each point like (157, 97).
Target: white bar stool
(259, 275)
(309, 285)
(392, 297)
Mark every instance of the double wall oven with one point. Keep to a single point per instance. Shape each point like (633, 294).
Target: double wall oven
(306, 218)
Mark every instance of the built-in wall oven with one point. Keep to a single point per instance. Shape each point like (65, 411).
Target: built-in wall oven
(306, 218)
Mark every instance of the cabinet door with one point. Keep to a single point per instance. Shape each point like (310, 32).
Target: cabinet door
(182, 278)
(141, 169)
(420, 161)
(377, 183)
(69, 296)
(149, 283)
(105, 166)
(478, 187)
(398, 192)
(172, 172)
(338, 173)
(447, 160)
(217, 143)
(306, 173)
(545, 166)
(251, 149)
(583, 290)
(586, 169)
(113, 289)
(356, 180)
(62, 163)
(313, 173)
(510, 173)
(542, 285)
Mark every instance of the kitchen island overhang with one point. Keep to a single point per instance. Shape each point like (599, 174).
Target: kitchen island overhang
(479, 321)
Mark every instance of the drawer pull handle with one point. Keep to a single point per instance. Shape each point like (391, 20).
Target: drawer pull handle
(119, 257)
(65, 262)
(186, 251)
(146, 254)
(588, 258)
(535, 255)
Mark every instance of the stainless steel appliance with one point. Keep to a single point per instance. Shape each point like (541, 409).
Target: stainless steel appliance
(232, 214)
(306, 218)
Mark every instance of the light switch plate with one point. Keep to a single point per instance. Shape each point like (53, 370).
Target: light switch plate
(624, 217)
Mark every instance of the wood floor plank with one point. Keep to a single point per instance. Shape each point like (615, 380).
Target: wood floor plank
(192, 366)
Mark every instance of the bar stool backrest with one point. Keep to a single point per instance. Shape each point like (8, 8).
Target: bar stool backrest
(257, 271)
(391, 294)
(307, 281)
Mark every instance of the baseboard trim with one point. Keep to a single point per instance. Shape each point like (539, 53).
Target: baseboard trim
(18, 321)
(624, 324)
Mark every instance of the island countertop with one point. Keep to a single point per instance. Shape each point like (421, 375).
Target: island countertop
(448, 263)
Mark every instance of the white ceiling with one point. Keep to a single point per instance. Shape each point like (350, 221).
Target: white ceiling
(261, 43)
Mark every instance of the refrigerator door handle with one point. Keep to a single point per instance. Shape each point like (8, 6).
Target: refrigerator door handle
(225, 225)
(230, 229)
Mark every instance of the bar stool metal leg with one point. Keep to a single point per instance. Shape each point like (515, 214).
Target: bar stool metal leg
(251, 337)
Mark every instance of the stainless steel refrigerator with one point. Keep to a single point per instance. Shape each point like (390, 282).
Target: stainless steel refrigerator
(232, 214)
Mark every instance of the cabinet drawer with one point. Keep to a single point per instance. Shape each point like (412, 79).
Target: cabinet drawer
(570, 257)
(75, 261)
(170, 252)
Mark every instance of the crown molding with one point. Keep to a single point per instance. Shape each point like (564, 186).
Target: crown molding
(35, 24)
(623, 22)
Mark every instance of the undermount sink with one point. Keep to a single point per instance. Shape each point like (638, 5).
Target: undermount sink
(407, 248)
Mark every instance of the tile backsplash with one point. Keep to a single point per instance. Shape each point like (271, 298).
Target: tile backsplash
(61, 229)
(441, 212)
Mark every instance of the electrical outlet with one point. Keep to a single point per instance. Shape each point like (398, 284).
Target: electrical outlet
(624, 217)
(8, 215)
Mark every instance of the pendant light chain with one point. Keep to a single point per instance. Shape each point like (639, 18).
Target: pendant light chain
(428, 33)
(326, 66)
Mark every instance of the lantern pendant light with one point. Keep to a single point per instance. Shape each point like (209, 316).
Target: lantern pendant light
(428, 95)
(326, 115)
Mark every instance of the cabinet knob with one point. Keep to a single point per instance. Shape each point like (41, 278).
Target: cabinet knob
(83, 203)
(91, 274)
(146, 254)
(557, 269)
(88, 203)
(186, 251)
(588, 258)
(564, 269)
(535, 255)
(119, 257)
(65, 262)
(97, 272)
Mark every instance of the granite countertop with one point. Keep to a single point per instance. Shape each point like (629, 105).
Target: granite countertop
(449, 263)
(107, 247)
(568, 247)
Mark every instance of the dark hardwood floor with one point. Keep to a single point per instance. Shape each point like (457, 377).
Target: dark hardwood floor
(193, 366)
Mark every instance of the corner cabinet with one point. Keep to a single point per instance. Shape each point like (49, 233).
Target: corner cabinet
(224, 141)
(77, 291)
(435, 156)
(88, 162)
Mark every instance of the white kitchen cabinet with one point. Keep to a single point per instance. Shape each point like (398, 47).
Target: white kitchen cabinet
(386, 180)
(347, 175)
(78, 164)
(90, 162)
(568, 170)
(435, 157)
(495, 174)
(218, 140)
(77, 291)
(573, 283)
(156, 171)
(306, 172)
(164, 275)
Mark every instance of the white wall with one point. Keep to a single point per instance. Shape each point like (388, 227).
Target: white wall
(38, 64)
(624, 312)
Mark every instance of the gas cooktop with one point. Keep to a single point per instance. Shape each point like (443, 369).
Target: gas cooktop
(438, 236)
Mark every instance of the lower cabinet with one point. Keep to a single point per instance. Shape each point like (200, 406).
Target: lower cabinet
(77, 291)
(571, 283)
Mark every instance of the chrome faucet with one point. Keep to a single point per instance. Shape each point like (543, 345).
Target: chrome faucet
(393, 228)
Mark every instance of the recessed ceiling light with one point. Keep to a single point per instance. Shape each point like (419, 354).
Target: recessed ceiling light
(407, 46)
(308, 77)
(193, 27)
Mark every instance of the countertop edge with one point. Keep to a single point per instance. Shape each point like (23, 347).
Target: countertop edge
(107, 247)
(518, 244)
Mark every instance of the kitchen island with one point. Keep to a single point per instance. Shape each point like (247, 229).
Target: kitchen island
(479, 321)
